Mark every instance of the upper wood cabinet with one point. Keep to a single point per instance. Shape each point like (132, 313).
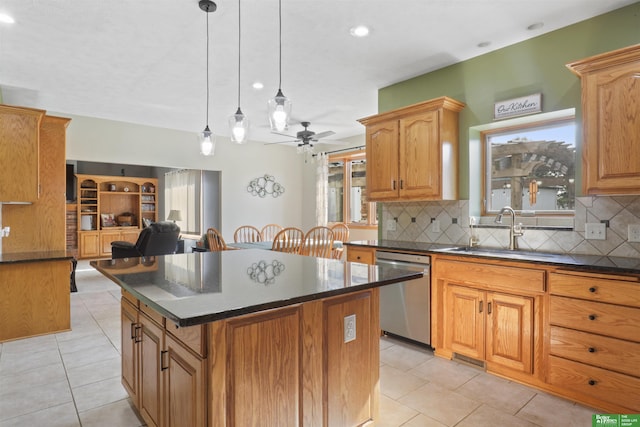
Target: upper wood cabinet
(19, 143)
(610, 121)
(412, 152)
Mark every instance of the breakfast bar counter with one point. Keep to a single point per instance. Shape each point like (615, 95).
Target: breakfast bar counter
(251, 337)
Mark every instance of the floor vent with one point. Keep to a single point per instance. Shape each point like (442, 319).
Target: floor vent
(468, 360)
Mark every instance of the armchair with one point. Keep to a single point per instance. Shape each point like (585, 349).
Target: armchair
(159, 238)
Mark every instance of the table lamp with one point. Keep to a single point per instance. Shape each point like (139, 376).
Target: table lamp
(174, 215)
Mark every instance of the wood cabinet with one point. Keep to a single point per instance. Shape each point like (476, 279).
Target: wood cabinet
(490, 313)
(610, 121)
(594, 344)
(112, 196)
(19, 144)
(163, 375)
(362, 255)
(412, 152)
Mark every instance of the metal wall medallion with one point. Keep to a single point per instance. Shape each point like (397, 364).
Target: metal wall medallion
(264, 273)
(265, 185)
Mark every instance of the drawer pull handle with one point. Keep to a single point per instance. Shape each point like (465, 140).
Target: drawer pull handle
(592, 350)
(592, 317)
(592, 382)
(592, 289)
(162, 353)
(480, 307)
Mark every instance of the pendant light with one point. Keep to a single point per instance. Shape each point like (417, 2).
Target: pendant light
(206, 138)
(238, 122)
(280, 105)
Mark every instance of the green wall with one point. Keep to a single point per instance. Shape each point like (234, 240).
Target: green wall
(532, 66)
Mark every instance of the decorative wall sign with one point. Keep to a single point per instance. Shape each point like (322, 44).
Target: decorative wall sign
(265, 185)
(264, 273)
(518, 106)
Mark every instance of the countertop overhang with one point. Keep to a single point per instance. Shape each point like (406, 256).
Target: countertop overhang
(202, 287)
(39, 256)
(599, 263)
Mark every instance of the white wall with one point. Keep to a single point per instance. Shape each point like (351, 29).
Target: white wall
(98, 140)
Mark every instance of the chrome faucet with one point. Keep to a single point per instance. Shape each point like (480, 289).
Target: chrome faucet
(515, 230)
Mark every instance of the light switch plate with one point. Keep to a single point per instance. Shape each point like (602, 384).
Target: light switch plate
(595, 231)
(435, 226)
(349, 328)
(633, 232)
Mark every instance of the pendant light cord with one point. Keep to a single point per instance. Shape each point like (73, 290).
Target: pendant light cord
(207, 13)
(239, 37)
(280, 42)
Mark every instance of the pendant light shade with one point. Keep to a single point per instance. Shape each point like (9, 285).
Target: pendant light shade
(206, 138)
(279, 106)
(238, 122)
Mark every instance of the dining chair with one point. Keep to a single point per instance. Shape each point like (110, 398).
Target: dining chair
(269, 232)
(340, 236)
(215, 240)
(318, 242)
(247, 234)
(289, 240)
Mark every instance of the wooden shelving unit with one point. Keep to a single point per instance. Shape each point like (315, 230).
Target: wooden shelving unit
(112, 208)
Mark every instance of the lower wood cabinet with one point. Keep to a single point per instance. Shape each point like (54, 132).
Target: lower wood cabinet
(88, 244)
(165, 379)
(106, 237)
(594, 345)
(362, 255)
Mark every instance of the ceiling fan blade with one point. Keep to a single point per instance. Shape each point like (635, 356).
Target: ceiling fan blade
(282, 142)
(323, 134)
(283, 134)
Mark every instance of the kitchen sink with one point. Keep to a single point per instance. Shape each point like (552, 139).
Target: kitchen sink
(515, 254)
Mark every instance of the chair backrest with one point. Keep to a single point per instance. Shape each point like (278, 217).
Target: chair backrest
(318, 242)
(289, 240)
(269, 232)
(340, 235)
(215, 240)
(159, 238)
(247, 233)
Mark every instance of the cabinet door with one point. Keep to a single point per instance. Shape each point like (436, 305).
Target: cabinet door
(88, 244)
(151, 345)
(129, 349)
(382, 161)
(464, 321)
(130, 236)
(106, 237)
(509, 336)
(184, 386)
(420, 157)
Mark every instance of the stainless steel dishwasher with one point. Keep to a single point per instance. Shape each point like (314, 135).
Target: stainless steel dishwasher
(405, 307)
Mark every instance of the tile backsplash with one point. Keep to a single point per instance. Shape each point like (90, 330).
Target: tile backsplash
(447, 222)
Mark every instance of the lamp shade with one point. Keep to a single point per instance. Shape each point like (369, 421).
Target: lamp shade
(174, 215)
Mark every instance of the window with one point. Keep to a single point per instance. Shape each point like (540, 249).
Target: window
(347, 193)
(181, 192)
(531, 167)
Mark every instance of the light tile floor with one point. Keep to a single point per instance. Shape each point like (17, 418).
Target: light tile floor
(72, 379)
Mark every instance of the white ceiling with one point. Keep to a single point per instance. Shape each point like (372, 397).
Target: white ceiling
(143, 61)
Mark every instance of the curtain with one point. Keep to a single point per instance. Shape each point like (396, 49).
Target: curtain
(322, 188)
(181, 193)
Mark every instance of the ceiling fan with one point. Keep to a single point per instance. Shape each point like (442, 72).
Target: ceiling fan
(305, 137)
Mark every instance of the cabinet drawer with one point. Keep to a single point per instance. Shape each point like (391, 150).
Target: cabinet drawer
(193, 337)
(494, 277)
(151, 313)
(607, 386)
(605, 319)
(623, 292)
(129, 297)
(365, 256)
(610, 353)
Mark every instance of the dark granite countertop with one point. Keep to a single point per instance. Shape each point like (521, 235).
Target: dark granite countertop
(202, 287)
(8, 258)
(596, 263)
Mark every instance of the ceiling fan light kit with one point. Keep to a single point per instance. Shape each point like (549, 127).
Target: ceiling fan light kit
(206, 138)
(279, 106)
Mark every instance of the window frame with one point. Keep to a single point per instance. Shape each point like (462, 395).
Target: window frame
(347, 158)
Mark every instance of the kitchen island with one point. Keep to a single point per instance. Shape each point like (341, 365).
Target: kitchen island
(251, 337)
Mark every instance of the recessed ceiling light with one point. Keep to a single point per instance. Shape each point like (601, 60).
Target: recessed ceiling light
(535, 26)
(6, 18)
(484, 44)
(359, 31)
(257, 85)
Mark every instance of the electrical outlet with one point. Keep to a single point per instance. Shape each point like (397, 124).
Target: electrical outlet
(633, 232)
(595, 231)
(391, 225)
(435, 226)
(350, 328)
